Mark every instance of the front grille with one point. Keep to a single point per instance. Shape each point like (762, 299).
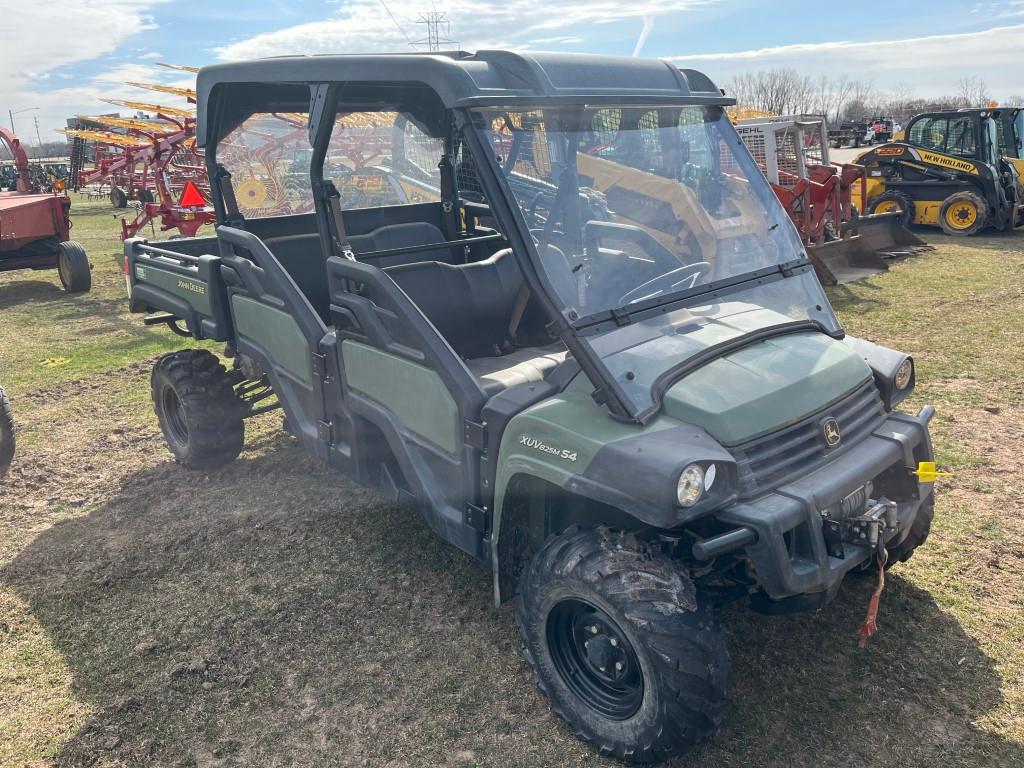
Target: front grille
(771, 460)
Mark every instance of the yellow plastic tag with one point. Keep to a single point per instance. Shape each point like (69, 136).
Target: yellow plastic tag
(927, 473)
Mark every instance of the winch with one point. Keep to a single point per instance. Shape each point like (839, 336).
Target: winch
(858, 519)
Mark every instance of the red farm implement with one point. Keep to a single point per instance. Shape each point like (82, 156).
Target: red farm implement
(152, 161)
(792, 152)
(35, 227)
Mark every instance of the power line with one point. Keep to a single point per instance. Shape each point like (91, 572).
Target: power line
(434, 20)
(407, 38)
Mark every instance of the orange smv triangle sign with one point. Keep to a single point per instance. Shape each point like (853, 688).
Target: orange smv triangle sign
(191, 197)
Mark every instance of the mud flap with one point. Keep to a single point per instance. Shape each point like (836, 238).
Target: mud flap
(863, 248)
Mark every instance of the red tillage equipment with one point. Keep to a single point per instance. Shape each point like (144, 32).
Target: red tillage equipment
(35, 227)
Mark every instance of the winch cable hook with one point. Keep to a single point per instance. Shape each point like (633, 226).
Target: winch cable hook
(870, 625)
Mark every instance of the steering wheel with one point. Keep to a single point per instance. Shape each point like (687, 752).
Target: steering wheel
(670, 281)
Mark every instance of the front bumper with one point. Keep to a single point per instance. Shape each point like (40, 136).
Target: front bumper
(790, 555)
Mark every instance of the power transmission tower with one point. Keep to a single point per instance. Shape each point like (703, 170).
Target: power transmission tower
(434, 21)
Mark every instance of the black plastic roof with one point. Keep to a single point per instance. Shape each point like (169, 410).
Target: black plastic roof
(458, 79)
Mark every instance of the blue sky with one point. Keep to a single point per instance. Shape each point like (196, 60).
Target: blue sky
(63, 55)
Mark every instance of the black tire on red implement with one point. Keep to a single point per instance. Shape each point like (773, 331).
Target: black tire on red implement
(6, 433)
(73, 267)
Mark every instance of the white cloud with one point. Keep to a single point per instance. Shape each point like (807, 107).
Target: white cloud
(1008, 9)
(927, 65)
(41, 36)
(362, 26)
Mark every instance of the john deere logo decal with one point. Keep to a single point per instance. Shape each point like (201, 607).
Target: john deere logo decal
(830, 432)
(190, 285)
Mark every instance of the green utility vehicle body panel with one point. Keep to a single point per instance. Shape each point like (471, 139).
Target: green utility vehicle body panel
(766, 386)
(556, 440)
(415, 394)
(276, 332)
(570, 441)
(193, 291)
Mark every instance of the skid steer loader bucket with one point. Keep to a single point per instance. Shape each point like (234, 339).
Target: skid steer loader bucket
(886, 236)
(863, 248)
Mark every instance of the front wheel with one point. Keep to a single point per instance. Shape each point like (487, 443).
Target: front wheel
(621, 647)
(6, 433)
(73, 267)
(896, 202)
(199, 413)
(918, 534)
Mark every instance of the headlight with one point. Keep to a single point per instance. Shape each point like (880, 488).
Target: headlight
(690, 487)
(904, 374)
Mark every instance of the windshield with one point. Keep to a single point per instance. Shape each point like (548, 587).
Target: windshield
(1018, 134)
(627, 204)
(634, 207)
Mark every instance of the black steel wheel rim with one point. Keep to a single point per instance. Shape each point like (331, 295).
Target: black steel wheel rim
(595, 659)
(174, 413)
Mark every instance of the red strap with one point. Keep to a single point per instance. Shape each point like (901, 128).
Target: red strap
(870, 625)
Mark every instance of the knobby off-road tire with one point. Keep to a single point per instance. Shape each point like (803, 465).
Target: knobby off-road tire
(6, 433)
(918, 533)
(621, 647)
(73, 267)
(198, 410)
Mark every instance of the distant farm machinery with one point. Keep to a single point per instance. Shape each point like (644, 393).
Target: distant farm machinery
(152, 161)
(792, 152)
(35, 226)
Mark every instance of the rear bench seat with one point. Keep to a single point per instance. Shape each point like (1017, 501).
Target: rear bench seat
(303, 259)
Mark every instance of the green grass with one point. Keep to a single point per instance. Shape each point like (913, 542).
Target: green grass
(273, 613)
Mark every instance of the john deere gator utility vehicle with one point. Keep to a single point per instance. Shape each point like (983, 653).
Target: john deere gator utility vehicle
(633, 401)
(949, 171)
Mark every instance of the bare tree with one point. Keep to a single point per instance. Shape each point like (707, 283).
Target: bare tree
(779, 91)
(787, 92)
(973, 92)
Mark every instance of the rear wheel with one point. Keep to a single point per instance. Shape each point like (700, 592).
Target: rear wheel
(73, 267)
(144, 196)
(963, 213)
(118, 197)
(6, 433)
(199, 413)
(621, 647)
(894, 202)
